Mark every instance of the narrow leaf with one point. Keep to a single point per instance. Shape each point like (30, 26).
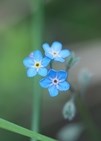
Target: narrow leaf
(23, 131)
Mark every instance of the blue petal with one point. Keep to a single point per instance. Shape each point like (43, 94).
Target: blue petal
(49, 55)
(63, 86)
(46, 47)
(28, 62)
(45, 61)
(62, 75)
(42, 71)
(37, 55)
(65, 53)
(57, 46)
(59, 59)
(53, 91)
(52, 73)
(31, 72)
(45, 82)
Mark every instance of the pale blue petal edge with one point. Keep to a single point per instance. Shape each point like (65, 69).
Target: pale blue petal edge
(59, 59)
(57, 46)
(37, 55)
(65, 53)
(63, 86)
(31, 72)
(53, 91)
(45, 61)
(28, 62)
(45, 82)
(42, 71)
(46, 47)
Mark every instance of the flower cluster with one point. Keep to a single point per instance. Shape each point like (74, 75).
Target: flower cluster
(53, 80)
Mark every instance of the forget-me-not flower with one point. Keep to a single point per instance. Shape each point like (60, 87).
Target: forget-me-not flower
(55, 81)
(55, 52)
(36, 64)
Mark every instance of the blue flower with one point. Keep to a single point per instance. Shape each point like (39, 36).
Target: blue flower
(55, 52)
(36, 64)
(55, 81)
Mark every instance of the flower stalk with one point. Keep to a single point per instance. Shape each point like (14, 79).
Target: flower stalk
(36, 34)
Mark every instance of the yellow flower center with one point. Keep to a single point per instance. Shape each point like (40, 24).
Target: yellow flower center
(37, 65)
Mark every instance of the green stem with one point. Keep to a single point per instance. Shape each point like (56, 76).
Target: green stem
(36, 109)
(23, 131)
(37, 23)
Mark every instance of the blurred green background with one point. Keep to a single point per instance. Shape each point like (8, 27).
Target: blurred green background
(71, 22)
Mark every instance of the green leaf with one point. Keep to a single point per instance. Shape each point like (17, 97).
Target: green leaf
(4, 124)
